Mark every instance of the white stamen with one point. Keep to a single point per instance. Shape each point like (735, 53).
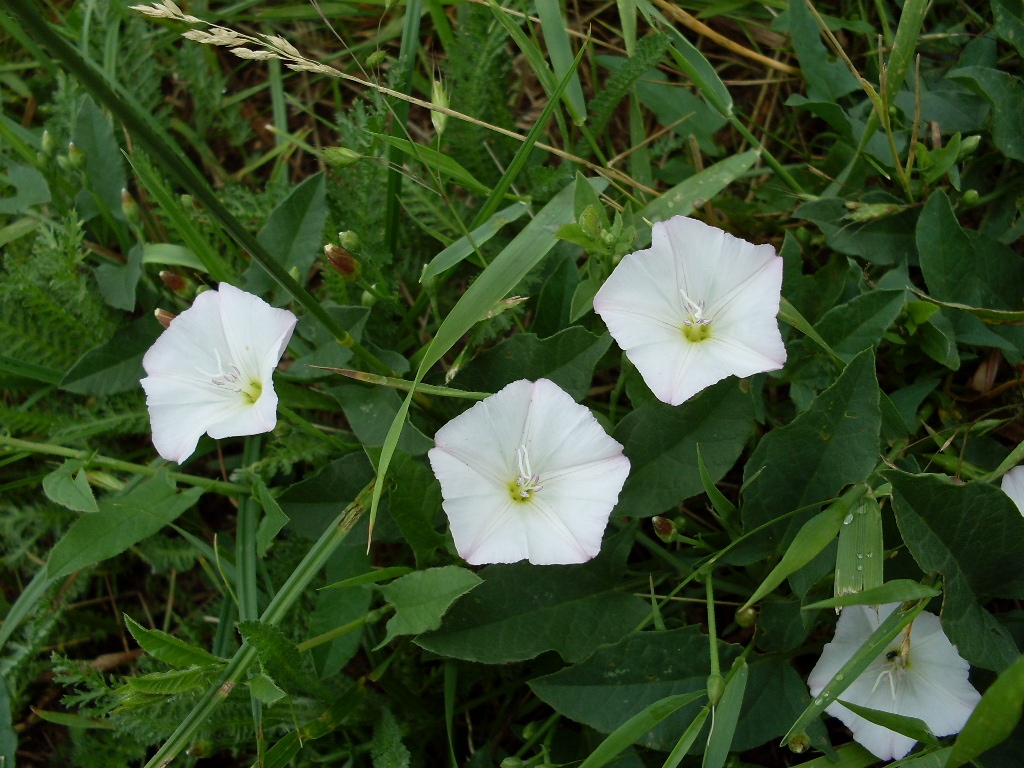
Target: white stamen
(694, 311)
(528, 480)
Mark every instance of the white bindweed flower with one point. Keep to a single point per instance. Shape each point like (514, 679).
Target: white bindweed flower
(1013, 486)
(920, 674)
(528, 473)
(695, 307)
(210, 371)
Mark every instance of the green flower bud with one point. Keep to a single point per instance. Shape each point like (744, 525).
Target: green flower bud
(349, 239)
(340, 157)
(76, 156)
(968, 144)
(970, 197)
(49, 144)
(799, 743)
(376, 58)
(129, 207)
(716, 687)
(439, 97)
(367, 300)
(746, 617)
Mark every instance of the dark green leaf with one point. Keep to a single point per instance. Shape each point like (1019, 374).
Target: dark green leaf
(274, 518)
(884, 241)
(68, 486)
(896, 591)
(1006, 94)
(313, 503)
(964, 267)
(370, 411)
(522, 610)
(908, 726)
(415, 503)
(31, 187)
(830, 445)
(264, 689)
(859, 323)
(827, 78)
(123, 519)
(117, 283)
(970, 534)
(727, 715)
(104, 165)
(281, 660)
(293, 233)
(995, 717)
(639, 724)
(423, 597)
(114, 366)
(173, 682)
(567, 358)
(168, 648)
(661, 443)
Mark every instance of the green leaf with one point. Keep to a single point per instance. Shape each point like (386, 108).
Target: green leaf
(1006, 94)
(556, 36)
(971, 535)
(883, 241)
(315, 346)
(370, 410)
(830, 445)
(281, 661)
(617, 681)
(521, 610)
(727, 715)
(168, 648)
(422, 598)
(895, 591)
(827, 78)
(690, 193)
(813, 536)
(172, 255)
(173, 682)
(63, 486)
(963, 267)
(314, 502)
(104, 166)
(904, 46)
(990, 316)
(908, 726)
(994, 719)
(861, 551)
(8, 736)
(466, 245)
(415, 503)
(342, 607)
(725, 508)
(273, 521)
(123, 519)
(265, 689)
(859, 323)
(31, 187)
(387, 748)
(117, 283)
(688, 738)
(661, 443)
(435, 162)
(639, 724)
(116, 365)
(583, 296)
(567, 358)
(292, 234)
(1009, 23)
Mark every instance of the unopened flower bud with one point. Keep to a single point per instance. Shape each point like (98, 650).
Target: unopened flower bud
(746, 617)
(342, 261)
(349, 239)
(294, 274)
(200, 748)
(590, 222)
(970, 197)
(62, 161)
(76, 157)
(716, 687)
(968, 144)
(49, 144)
(163, 317)
(799, 743)
(367, 300)
(129, 207)
(512, 762)
(376, 58)
(340, 157)
(175, 282)
(664, 528)
(439, 97)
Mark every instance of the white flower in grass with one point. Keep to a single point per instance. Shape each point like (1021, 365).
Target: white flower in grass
(695, 307)
(528, 473)
(1013, 486)
(210, 371)
(920, 674)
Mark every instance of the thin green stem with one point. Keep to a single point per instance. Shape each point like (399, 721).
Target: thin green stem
(276, 611)
(712, 631)
(370, 618)
(245, 570)
(220, 486)
(769, 158)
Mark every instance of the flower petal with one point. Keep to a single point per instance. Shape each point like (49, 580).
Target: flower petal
(181, 410)
(579, 472)
(193, 346)
(256, 333)
(650, 297)
(1013, 486)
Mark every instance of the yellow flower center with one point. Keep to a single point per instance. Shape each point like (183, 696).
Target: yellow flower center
(696, 327)
(527, 482)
